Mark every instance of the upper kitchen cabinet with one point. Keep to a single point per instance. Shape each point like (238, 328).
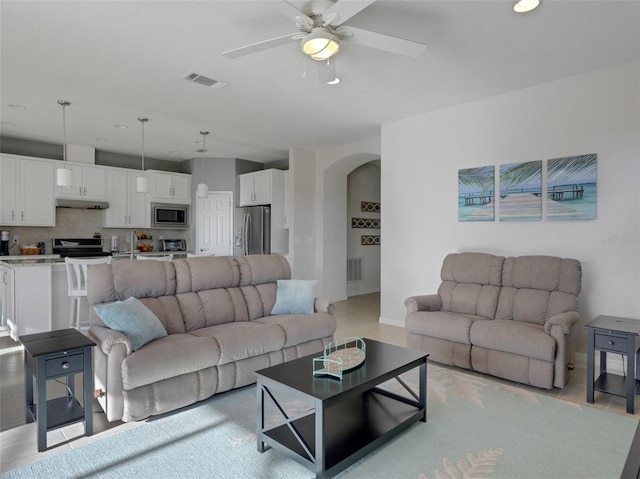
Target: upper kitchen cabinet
(262, 187)
(169, 187)
(27, 190)
(89, 183)
(127, 207)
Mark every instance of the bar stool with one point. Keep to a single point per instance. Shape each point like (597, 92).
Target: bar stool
(77, 284)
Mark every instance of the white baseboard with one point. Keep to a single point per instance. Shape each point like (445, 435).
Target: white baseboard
(392, 322)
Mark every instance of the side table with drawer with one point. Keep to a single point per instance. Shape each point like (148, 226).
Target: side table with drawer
(52, 355)
(610, 334)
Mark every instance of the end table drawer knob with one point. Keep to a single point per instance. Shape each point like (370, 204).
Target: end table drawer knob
(64, 366)
(610, 343)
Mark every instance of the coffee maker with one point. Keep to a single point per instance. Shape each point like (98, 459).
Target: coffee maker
(4, 243)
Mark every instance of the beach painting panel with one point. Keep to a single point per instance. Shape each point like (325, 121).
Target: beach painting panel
(476, 194)
(521, 191)
(572, 188)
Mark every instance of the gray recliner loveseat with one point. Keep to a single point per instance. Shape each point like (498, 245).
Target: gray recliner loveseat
(512, 318)
(216, 325)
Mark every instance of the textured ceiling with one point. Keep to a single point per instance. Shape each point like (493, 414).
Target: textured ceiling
(117, 60)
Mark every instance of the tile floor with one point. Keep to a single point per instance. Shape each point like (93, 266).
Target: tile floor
(358, 316)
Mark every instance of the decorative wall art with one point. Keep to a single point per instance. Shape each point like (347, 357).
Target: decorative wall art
(521, 191)
(476, 194)
(371, 223)
(370, 240)
(370, 206)
(572, 188)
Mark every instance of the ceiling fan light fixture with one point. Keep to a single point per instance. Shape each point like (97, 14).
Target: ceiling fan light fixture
(320, 44)
(524, 6)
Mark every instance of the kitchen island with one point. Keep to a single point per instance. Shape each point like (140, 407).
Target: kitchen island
(34, 295)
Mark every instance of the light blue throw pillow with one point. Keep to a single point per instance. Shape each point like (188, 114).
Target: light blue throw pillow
(132, 318)
(295, 296)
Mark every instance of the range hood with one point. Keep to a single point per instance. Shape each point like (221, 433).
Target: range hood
(82, 204)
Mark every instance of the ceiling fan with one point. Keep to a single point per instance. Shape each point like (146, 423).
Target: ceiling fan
(321, 29)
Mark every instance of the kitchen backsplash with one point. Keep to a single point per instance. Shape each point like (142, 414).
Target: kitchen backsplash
(79, 223)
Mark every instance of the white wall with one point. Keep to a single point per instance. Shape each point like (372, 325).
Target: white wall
(363, 184)
(592, 113)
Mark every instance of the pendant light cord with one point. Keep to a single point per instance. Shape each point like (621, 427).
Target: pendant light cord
(64, 105)
(142, 120)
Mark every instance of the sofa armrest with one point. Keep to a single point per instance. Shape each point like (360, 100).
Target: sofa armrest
(565, 320)
(322, 305)
(107, 338)
(427, 302)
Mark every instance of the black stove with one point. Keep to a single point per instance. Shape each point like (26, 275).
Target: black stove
(78, 247)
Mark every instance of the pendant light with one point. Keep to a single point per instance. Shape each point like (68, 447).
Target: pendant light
(64, 176)
(142, 182)
(203, 188)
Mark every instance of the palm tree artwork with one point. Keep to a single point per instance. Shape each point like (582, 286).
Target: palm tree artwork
(521, 191)
(572, 188)
(476, 194)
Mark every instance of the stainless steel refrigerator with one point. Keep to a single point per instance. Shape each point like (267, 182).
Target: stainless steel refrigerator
(255, 235)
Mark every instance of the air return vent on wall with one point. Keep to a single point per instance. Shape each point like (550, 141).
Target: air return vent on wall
(203, 80)
(354, 269)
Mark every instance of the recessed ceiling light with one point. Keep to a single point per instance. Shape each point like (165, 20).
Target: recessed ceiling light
(335, 81)
(524, 6)
(17, 107)
(122, 127)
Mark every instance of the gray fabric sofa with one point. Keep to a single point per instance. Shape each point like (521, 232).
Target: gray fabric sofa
(512, 318)
(216, 311)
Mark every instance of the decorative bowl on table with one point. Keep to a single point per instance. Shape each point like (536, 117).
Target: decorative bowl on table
(340, 356)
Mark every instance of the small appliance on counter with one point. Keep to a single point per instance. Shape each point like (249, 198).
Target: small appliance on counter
(4, 243)
(173, 245)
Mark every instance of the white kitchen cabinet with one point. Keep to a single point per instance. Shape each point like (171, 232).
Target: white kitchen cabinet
(26, 299)
(261, 187)
(169, 187)
(88, 183)
(127, 207)
(27, 191)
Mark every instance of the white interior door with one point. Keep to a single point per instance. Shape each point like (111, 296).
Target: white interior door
(213, 224)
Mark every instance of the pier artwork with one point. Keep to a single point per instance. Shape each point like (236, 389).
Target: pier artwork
(482, 198)
(573, 192)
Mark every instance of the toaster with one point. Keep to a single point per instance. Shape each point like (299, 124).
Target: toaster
(173, 245)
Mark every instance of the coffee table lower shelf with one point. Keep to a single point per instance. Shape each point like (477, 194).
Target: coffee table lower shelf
(352, 429)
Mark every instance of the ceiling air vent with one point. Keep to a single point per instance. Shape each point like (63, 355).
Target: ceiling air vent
(203, 80)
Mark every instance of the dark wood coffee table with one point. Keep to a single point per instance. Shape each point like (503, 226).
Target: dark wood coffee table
(348, 418)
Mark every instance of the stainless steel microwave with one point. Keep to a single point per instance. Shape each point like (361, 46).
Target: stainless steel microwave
(166, 215)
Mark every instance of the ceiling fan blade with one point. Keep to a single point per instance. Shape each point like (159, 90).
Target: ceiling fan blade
(327, 70)
(293, 13)
(345, 9)
(260, 46)
(384, 42)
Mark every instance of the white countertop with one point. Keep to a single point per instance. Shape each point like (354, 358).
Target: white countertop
(29, 256)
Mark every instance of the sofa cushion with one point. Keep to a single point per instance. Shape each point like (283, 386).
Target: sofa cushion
(294, 296)
(211, 307)
(469, 298)
(132, 318)
(524, 339)
(442, 325)
(300, 328)
(480, 268)
(210, 272)
(244, 339)
(168, 357)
